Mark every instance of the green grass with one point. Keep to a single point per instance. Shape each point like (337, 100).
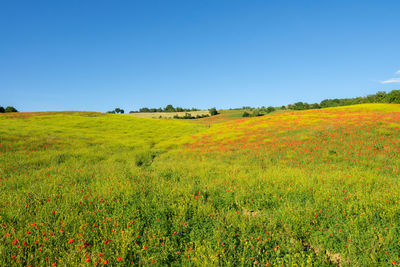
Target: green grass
(308, 188)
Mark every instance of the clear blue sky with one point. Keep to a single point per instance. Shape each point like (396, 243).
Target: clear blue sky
(97, 55)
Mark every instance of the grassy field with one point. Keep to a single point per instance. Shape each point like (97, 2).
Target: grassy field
(231, 115)
(316, 187)
(168, 115)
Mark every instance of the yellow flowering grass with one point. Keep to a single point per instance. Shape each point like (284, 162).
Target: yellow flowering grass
(315, 187)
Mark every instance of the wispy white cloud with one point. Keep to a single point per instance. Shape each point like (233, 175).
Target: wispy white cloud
(393, 80)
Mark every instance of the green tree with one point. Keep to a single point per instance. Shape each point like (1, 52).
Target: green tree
(10, 109)
(169, 108)
(2, 110)
(315, 106)
(144, 110)
(270, 109)
(256, 113)
(246, 114)
(393, 97)
(213, 111)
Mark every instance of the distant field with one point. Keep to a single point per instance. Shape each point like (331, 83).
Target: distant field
(231, 115)
(305, 188)
(168, 115)
(224, 116)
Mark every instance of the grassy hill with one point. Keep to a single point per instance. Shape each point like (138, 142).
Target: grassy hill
(315, 187)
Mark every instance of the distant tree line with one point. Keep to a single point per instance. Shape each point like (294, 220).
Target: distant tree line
(379, 97)
(116, 111)
(8, 109)
(168, 108)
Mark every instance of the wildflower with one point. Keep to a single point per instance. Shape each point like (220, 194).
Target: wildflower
(70, 241)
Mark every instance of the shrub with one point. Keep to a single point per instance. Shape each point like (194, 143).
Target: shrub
(256, 113)
(213, 111)
(188, 116)
(270, 109)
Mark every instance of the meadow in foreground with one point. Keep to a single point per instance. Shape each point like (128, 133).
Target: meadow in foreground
(316, 187)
